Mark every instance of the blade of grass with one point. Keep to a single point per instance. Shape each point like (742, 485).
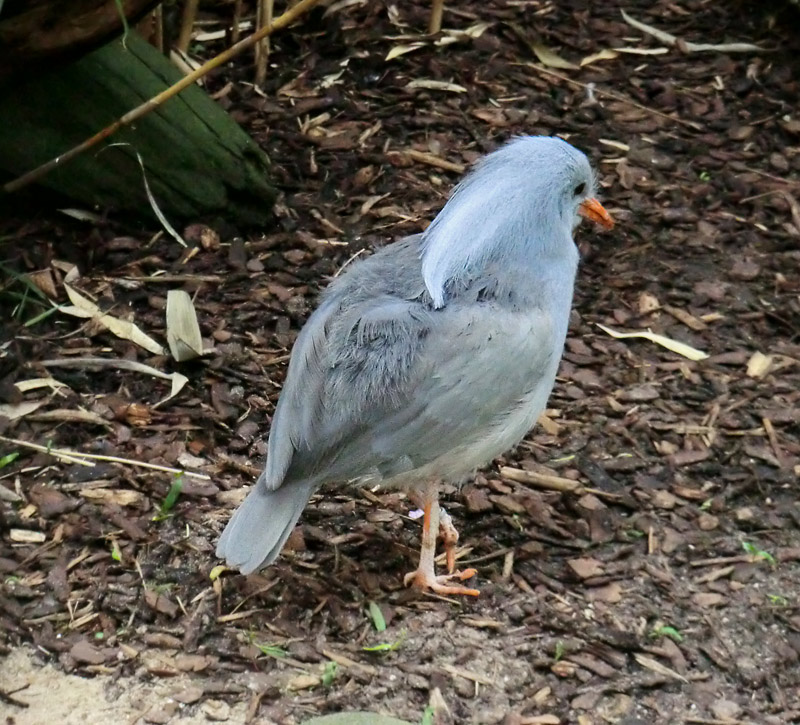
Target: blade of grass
(170, 500)
(377, 617)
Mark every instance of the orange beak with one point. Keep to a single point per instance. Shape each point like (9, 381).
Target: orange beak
(593, 210)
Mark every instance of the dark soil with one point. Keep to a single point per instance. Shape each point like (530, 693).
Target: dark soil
(665, 589)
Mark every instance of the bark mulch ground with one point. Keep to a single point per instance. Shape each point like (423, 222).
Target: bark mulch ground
(637, 553)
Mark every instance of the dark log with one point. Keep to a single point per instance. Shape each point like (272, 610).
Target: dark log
(198, 161)
(36, 34)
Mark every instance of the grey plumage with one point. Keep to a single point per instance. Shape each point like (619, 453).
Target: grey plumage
(434, 355)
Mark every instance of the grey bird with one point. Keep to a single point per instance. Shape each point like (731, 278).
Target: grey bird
(428, 359)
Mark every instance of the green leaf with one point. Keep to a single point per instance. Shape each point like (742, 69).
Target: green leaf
(387, 646)
(217, 571)
(329, 673)
(753, 550)
(427, 716)
(667, 631)
(116, 554)
(10, 458)
(271, 650)
(171, 499)
(377, 617)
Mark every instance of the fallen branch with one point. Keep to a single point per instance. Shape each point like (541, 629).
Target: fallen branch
(673, 40)
(553, 483)
(85, 459)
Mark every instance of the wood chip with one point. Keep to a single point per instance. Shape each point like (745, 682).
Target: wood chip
(656, 666)
(25, 536)
(467, 675)
(586, 567)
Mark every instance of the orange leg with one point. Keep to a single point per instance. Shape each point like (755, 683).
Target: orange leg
(449, 536)
(424, 577)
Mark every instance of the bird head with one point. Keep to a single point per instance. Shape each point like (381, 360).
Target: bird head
(519, 205)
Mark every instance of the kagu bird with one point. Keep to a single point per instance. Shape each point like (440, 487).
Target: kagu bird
(431, 357)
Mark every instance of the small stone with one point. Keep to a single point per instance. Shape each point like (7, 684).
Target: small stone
(189, 695)
(664, 499)
(745, 269)
(726, 709)
(707, 522)
(216, 710)
(707, 599)
(639, 394)
(156, 716)
(84, 652)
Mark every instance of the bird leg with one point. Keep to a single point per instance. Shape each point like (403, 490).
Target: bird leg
(449, 536)
(447, 530)
(424, 577)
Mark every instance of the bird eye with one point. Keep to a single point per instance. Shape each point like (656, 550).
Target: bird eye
(580, 188)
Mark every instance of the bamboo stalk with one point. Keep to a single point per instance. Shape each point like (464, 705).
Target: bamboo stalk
(188, 18)
(435, 23)
(263, 19)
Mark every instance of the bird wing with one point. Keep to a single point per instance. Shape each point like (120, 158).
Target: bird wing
(490, 371)
(387, 385)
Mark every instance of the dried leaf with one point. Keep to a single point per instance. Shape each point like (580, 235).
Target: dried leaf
(551, 59)
(178, 380)
(476, 30)
(85, 308)
(303, 682)
(342, 5)
(399, 50)
(664, 37)
(649, 29)
(183, 330)
(794, 207)
(67, 415)
(648, 303)
(44, 282)
(681, 348)
(35, 383)
(642, 51)
(758, 365)
(12, 411)
(151, 199)
(605, 54)
(436, 86)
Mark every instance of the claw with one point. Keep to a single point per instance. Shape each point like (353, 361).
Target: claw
(427, 581)
(437, 521)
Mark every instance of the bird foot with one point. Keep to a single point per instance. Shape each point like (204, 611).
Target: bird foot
(428, 581)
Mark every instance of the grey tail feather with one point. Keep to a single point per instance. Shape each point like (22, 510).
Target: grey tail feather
(259, 528)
